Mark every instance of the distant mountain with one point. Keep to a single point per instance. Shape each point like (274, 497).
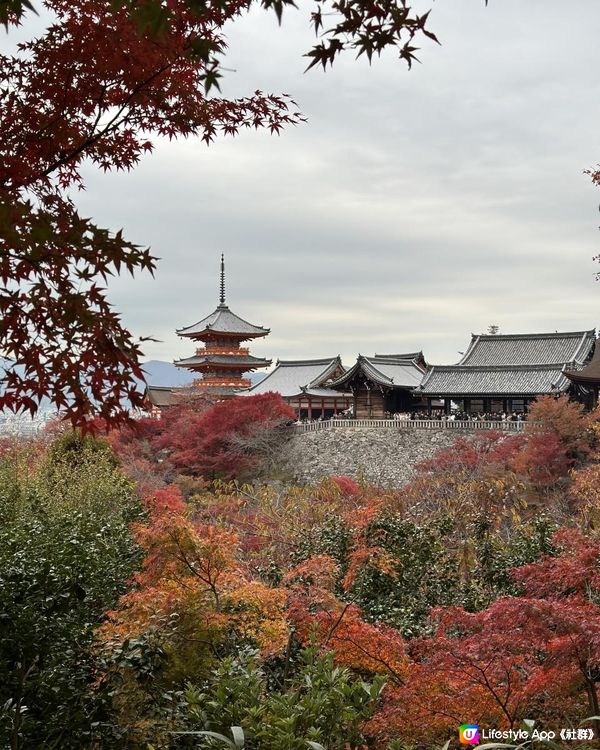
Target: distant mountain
(166, 374)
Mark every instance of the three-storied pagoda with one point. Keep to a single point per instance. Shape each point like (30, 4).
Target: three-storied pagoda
(222, 362)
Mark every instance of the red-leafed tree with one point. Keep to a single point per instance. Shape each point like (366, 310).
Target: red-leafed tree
(229, 439)
(194, 602)
(320, 617)
(104, 79)
(134, 445)
(565, 419)
(532, 655)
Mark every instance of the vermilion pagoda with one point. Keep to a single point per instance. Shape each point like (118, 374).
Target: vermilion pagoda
(221, 362)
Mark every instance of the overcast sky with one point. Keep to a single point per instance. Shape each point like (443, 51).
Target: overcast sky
(413, 208)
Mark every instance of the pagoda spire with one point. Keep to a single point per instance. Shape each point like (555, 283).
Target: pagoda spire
(222, 285)
(221, 361)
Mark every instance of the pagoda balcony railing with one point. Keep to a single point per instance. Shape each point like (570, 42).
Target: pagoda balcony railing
(222, 383)
(208, 350)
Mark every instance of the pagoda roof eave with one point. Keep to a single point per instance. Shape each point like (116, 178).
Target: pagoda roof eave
(223, 361)
(223, 322)
(209, 332)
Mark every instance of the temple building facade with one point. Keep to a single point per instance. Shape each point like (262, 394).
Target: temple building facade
(305, 384)
(504, 373)
(383, 384)
(585, 383)
(221, 362)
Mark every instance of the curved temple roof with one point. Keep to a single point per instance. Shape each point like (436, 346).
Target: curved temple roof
(222, 320)
(503, 365)
(224, 360)
(528, 348)
(393, 371)
(161, 396)
(526, 380)
(299, 377)
(590, 374)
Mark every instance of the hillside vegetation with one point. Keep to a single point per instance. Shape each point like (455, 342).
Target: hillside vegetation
(156, 588)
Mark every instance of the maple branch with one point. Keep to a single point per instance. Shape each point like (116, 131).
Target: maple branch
(394, 675)
(206, 580)
(486, 683)
(111, 125)
(338, 621)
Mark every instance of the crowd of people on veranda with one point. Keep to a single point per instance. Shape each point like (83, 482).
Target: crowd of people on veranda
(458, 416)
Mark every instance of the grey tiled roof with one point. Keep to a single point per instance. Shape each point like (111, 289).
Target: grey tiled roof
(384, 369)
(529, 349)
(325, 393)
(589, 374)
(410, 355)
(519, 364)
(493, 381)
(222, 320)
(296, 377)
(160, 396)
(224, 359)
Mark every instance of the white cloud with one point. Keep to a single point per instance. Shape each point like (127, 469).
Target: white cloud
(413, 207)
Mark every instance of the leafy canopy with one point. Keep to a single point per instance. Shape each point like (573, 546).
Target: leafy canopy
(105, 79)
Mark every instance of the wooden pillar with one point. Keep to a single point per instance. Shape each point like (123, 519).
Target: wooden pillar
(447, 406)
(335, 406)
(309, 408)
(505, 405)
(467, 405)
(322, 408)
(369, 409)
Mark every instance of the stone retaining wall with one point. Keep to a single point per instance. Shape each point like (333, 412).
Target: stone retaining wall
(383, 457)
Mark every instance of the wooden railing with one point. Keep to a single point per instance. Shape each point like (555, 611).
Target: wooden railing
(224, 382)
(408, 424)
(240, 351)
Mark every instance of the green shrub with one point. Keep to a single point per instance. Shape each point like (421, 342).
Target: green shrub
(66, 554)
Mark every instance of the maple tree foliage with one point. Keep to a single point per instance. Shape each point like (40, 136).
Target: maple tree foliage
(105, 78)
(560, 435)
(320, 616)
(568, 420)
(193, 603)
(536, 654)
(217, 441)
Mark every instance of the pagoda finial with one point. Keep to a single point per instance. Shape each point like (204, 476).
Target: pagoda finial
(222, 287)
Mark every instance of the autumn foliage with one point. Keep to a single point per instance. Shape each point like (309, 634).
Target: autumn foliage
(218, 441)
(471, 594)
